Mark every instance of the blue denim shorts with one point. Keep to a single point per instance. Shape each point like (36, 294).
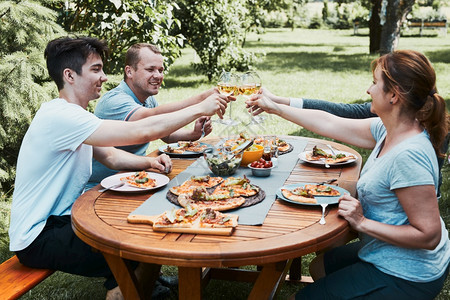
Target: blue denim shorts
(350, 278)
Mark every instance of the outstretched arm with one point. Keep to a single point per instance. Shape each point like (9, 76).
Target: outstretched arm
(345, 110)
(120, 133)
(352, 131)
(173, 106)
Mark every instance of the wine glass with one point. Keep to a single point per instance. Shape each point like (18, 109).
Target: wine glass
(251, 84)
(227, 85)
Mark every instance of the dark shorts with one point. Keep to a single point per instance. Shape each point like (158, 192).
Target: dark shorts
(350, 278)
(58, 248)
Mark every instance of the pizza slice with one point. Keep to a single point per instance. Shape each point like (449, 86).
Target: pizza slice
(299, 194)
(140, 180)
(177, 218)
(200, 200)
(210, 218)
(317, 154)
(283, 146)
(338, 158)
(239, 186)
(321, 190)
(175, 150)
(195, 181)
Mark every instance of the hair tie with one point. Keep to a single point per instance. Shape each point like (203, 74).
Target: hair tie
(432, 92)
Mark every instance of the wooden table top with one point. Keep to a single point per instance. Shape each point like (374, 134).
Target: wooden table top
(289, 230)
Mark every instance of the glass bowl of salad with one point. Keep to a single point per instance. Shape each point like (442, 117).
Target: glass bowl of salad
(222, 163)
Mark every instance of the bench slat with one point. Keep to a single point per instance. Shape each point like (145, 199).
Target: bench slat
(17, 279)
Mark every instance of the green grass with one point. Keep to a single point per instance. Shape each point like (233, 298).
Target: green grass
(322, 64)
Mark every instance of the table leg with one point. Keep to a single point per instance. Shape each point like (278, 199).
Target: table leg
(189, 283)
(269, 279)
(125, 277)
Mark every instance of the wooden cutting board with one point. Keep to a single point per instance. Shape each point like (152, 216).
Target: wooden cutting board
(141, 219)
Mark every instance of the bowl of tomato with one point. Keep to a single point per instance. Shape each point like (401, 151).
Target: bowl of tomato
(261, 167)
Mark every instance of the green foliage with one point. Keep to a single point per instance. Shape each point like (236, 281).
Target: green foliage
(123, 23)
(342, 16)
(26, 28)
(213, 29)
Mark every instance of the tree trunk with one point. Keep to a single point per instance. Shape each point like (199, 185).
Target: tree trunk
(396, 12)
(375, 27)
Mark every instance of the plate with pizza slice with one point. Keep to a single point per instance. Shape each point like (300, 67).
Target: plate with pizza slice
(311, 193)
(135, 181)
(322, 157)
(184, 148)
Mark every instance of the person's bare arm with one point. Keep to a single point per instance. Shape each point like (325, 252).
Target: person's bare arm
(421, 207)
(352, 131)
(120, 133)
(184, 134)
(118, 159)
(145, 112)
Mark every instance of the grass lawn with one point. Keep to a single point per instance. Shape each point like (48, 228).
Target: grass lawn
(322, 64)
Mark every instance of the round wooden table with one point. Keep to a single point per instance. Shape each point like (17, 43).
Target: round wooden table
(288, 232)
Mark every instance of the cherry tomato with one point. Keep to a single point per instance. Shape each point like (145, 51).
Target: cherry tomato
(254, 164)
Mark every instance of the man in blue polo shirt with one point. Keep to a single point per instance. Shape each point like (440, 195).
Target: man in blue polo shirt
(133, 99)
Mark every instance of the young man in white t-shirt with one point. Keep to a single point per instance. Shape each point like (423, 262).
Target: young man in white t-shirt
(54, 161)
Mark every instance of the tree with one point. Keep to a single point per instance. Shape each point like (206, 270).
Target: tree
(26, 28)
(375, 27)
(396, 12)
(123, 23)
(214, 30)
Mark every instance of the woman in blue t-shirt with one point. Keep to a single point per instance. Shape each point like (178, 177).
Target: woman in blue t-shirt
(403, 250)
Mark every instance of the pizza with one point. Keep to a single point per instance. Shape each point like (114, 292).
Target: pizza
(283, 146)
(201, 199)
(177, 218)
(194, 218)
(306, 193)
(210, 218)
(186, 146)
(140, 180)
(319, 154)
(189, 185)
(237, 186)
(216, 193)
(299, 194)
(242, 138)
(321, 190)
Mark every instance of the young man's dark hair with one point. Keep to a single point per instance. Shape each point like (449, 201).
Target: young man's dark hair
(67, 52)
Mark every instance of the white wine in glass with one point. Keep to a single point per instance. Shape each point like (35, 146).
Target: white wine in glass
(250, 85)
(227, 85)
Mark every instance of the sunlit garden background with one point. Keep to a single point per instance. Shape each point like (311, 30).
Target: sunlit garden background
(321, 62)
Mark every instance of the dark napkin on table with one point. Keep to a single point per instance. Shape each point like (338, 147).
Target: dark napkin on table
(251, 215)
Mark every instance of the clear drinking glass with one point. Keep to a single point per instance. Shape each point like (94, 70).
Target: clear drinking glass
(251, 84)
(227, 85)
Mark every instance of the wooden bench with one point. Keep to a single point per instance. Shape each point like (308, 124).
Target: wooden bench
(17, 279)
(422, 24)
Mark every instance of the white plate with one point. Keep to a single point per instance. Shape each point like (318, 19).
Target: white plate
(320, 199)
(161, 180)
(302, 156)
(186, 153)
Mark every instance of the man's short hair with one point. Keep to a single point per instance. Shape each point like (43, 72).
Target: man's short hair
(132, 57)
(71, 53)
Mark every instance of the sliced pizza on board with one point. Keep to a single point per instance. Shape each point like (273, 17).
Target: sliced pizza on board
(190, 220)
